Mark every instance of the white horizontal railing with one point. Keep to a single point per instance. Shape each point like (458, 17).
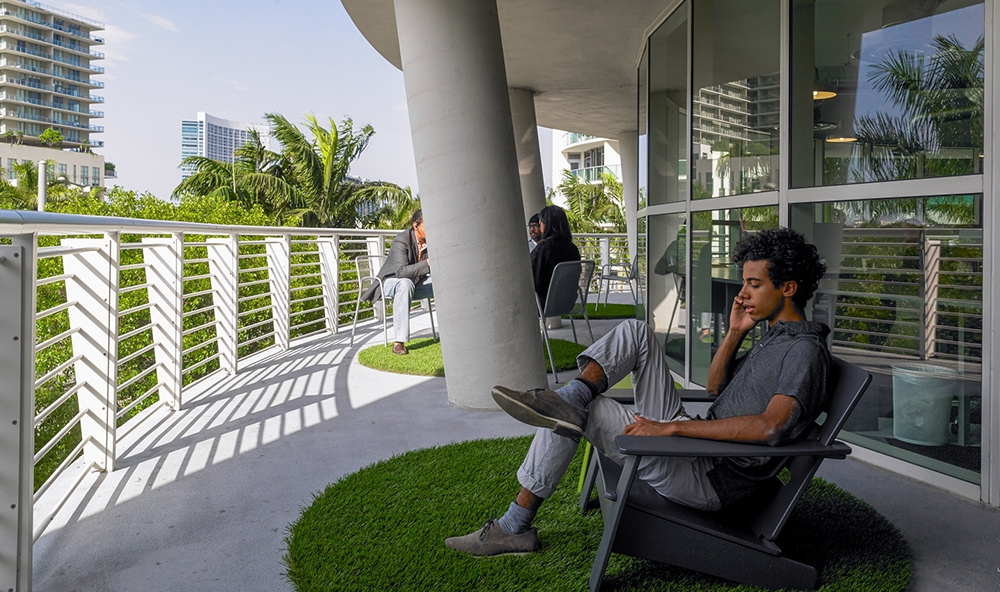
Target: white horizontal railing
(102, 318)
(105, 317)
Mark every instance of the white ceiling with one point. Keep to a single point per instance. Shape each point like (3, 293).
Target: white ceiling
(580, 58)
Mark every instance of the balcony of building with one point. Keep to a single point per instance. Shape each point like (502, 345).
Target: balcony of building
(196, 385)
(593, 173)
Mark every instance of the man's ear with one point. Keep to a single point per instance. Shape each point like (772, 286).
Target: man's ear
(789, 288)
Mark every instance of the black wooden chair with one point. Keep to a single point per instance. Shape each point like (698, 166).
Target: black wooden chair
(735, 546)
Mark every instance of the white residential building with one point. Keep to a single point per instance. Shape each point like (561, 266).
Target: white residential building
(215, 138)
(46, 64)
(46, 68)
(585, 156)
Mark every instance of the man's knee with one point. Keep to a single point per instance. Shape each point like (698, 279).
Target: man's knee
(405, 287)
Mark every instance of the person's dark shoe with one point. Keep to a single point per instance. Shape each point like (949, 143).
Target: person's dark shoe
(543, 409)
(399, 349)
(493, 540)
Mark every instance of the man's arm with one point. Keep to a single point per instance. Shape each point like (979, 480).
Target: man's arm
(721, 369)
(400, 258)
(767, 428)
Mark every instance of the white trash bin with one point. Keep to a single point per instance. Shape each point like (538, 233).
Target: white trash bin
(921, 403)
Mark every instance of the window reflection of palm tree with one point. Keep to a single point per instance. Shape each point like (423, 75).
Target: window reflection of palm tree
(941, 98)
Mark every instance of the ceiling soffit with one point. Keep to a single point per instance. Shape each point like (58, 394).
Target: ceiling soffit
(578, 57)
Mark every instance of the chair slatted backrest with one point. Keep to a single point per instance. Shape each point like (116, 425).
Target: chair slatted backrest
(367, 265)
(564, 289)
(848, 383)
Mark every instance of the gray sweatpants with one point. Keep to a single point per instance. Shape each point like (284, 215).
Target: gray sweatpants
(630, 348)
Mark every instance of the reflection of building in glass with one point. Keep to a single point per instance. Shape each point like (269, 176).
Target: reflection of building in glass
(735, 122)
(215, 138)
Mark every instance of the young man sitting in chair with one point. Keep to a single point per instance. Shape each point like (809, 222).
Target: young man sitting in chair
(771, 395)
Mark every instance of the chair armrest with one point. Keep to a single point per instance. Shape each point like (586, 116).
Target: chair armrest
(696, 396)
(627, 397)
(681, 446)
(607, 267)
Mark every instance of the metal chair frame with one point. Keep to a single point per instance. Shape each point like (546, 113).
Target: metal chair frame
(365, 276)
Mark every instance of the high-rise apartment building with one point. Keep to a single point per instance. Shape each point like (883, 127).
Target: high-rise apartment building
(46, 74)
(215, 138)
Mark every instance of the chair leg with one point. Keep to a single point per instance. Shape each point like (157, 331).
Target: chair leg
(385, 327)
(354, 325)
(588, 476)
(573, 325)
(611, 523)
(430, 313)
(552, 362)
(586, 317)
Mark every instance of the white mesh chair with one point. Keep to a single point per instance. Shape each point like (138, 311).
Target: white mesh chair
(586, 277)
(562, 297)
(367, 267)
(631, 274)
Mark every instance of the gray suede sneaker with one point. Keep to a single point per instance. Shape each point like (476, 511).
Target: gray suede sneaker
(543, 409)
(493, 540)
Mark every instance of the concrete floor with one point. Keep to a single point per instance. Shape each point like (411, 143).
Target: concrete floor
(201, 498)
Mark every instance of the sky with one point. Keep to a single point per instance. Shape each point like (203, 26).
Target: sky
(238, 59)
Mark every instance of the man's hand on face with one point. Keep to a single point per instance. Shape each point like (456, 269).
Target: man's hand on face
(647, 427)
(739, 321)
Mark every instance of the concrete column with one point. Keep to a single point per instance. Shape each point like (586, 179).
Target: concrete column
(529, 159)
(628, 149)
(456, 90)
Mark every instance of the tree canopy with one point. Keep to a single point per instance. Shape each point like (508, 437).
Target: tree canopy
(308, 182)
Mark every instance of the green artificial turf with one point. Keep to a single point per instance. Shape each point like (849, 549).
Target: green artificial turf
(425, 359)
(383, 527)
(608, 311)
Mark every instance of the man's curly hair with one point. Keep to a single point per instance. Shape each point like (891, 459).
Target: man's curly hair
(790, 258)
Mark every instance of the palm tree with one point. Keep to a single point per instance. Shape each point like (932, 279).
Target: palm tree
(255, 177)
(22, 194)
(319, 169)
(593, 207)
(941, 98)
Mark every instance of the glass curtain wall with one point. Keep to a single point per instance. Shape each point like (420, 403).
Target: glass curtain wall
(880, 91)
(736, 97)
(903, 295)
(885, 91)
(667, 281)
(716, 280)
(667, 110)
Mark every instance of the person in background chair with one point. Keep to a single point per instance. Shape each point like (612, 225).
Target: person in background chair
(555, 247)
(534, 233)
(406, 275)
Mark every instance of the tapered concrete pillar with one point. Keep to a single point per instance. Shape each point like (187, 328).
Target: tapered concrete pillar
(628, 150)
(456, 92)
(529, 159)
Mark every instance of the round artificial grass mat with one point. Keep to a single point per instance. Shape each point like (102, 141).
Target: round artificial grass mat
(608, 311)
(383, 527)
(425, 358)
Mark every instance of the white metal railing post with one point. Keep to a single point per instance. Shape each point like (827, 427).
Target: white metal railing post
(278, 252)
(17, 359)
(223, 263)
(376, 249)
(164, 274)
(93, 288)
(605, 253)
(329, 260)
